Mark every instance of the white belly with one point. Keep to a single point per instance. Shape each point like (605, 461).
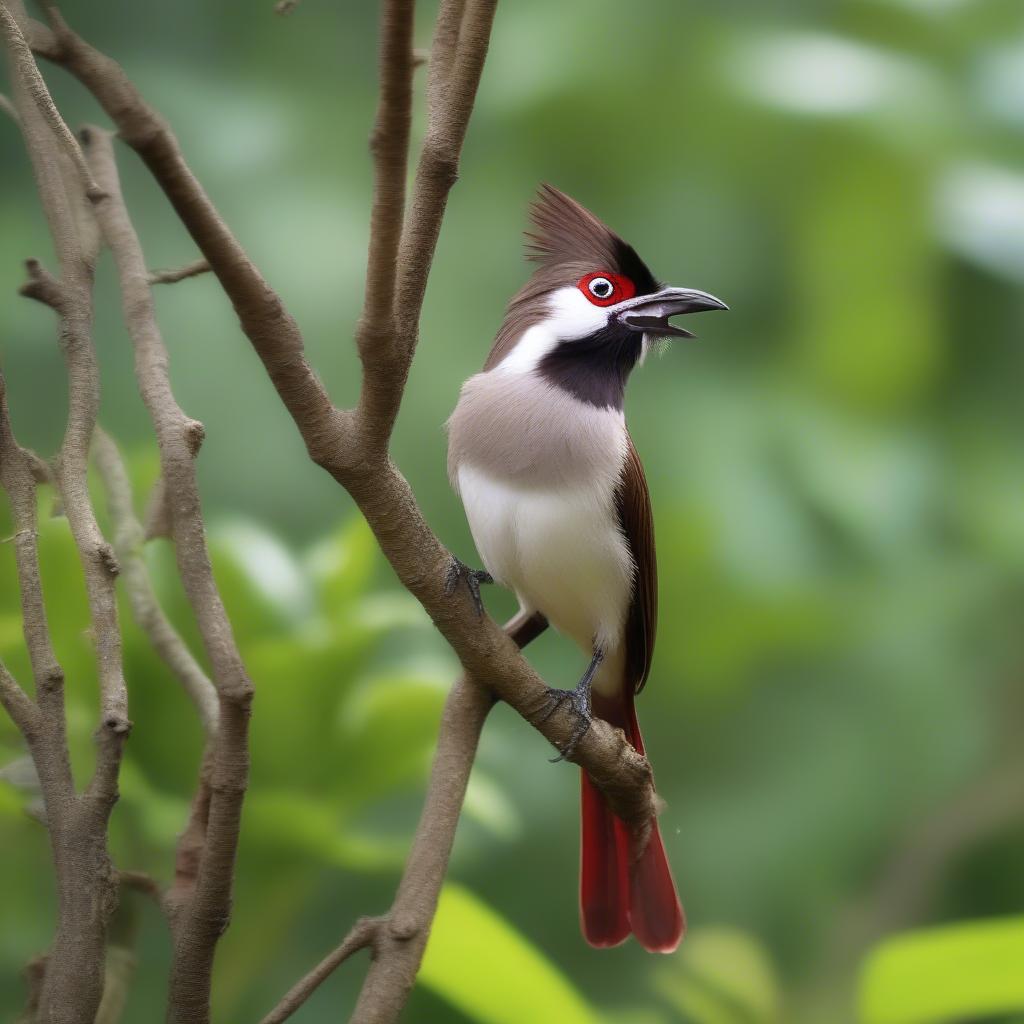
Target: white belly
(561, 551)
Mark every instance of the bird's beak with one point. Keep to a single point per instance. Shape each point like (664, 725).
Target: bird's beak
(650, 313)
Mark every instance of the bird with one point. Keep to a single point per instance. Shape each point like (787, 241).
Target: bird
(560, 513)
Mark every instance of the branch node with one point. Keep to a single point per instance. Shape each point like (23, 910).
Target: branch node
(42, 286)
(108, 559)
(52, 679)
(195, 433)
(403, 927)
(118, 724)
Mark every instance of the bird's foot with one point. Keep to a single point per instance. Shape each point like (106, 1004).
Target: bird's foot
(579, 701)
(474, 578)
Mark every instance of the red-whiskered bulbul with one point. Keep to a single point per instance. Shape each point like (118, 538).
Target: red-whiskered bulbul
(559, 509)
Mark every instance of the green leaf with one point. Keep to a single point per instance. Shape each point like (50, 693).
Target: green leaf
(342, 564)
(389, 727)
(480, 964)
(721, 976)
(942, 974)
(286, 820)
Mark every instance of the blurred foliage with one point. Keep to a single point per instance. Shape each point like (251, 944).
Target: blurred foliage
(837, 475)
(967, 970)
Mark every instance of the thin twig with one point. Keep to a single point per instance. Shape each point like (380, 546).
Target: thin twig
(19, 483)
(77, 823)
(22, 57)
(146, 610)
(389, 146)
(451, 92)
(363, 934)
(204, 909)
(193, 269)
(400, 937)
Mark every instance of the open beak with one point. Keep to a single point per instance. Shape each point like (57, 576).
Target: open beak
(650, 313)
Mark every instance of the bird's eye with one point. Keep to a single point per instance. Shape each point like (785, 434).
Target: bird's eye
(604, 288)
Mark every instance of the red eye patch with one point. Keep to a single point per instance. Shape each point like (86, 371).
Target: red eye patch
(603, 288)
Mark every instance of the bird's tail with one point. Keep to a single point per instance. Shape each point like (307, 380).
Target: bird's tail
(618, 896)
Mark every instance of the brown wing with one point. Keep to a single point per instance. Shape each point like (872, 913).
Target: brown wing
(634, 505)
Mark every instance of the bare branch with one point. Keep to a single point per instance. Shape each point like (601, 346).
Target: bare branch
(18, 481)
(268, 325)
(193, 269)
(141, 883)
(42, 286)
(400, 937)
(363, 934)
(128, 542)
(17, 703)
(22, 57)
(454, 84)
(442, 50)
(203, 917)
(389, 145)
(77, 824)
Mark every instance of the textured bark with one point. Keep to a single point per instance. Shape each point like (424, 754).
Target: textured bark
(72, 984)
(201, 896)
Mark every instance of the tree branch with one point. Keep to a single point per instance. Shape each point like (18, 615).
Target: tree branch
(455, 80)
(269, 326)
(77, 824)
(21, 56)
(146, 610)
(399, 938)
(389, 146)
(193, 269)
(202, 913)
(364, 933)
(17, 703)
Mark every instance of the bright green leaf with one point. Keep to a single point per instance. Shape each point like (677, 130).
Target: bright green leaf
(467, 941)
(943, 974)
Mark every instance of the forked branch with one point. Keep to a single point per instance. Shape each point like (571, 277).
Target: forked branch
(202, 909)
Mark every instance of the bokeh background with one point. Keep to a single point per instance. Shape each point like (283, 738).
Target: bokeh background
(836, 466)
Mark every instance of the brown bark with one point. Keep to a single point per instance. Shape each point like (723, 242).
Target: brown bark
(72, 985)
(201, 898)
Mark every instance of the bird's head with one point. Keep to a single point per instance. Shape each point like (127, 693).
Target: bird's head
(591, 308)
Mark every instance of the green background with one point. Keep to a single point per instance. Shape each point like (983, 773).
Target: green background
(835, 710)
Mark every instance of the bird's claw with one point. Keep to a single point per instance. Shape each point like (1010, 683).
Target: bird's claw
(457, 571)
(579, 699)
